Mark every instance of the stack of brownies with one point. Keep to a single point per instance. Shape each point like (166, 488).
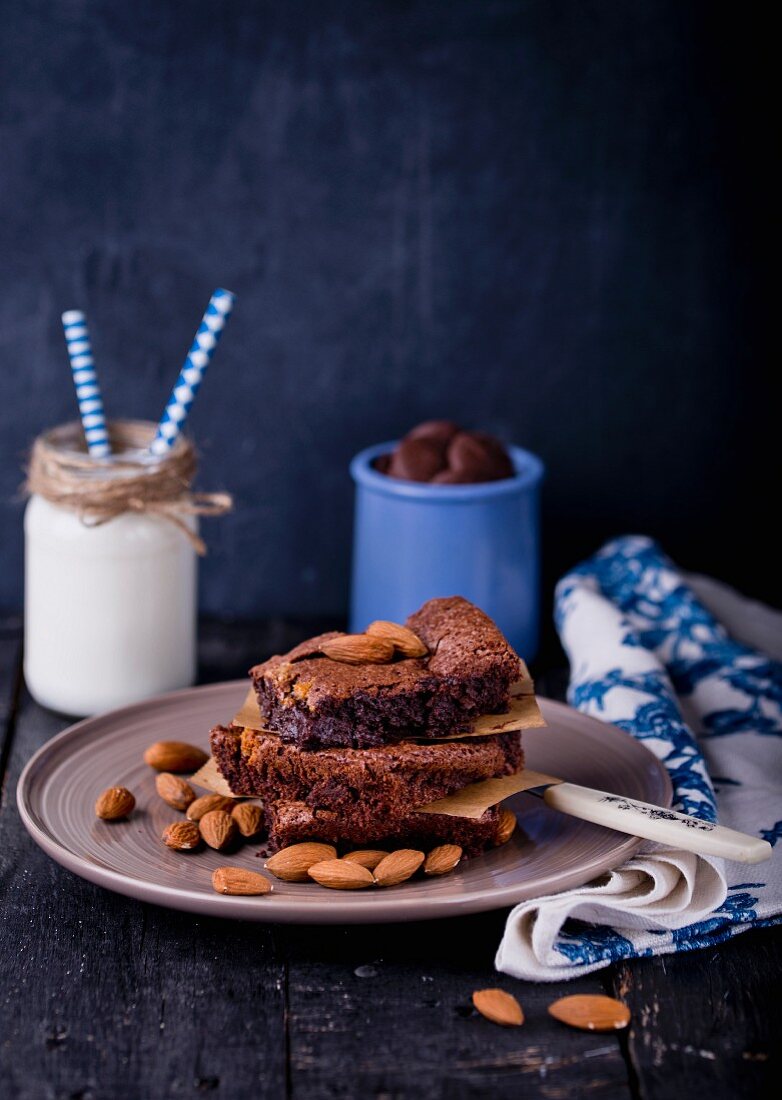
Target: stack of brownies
(355, 733)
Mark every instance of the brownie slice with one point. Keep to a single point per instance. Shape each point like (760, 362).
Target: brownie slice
(292, 822)
(386, 782)
(316, 702)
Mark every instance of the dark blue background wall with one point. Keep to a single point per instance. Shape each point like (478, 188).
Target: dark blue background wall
(542, 218)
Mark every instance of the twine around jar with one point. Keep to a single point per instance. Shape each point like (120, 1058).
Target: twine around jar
(129, 480)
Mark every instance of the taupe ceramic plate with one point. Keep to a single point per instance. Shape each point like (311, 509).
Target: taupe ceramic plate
(550, 852)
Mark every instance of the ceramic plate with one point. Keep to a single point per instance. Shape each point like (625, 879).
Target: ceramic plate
(550, 852)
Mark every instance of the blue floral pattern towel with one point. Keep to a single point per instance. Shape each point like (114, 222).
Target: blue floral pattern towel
(647, 655)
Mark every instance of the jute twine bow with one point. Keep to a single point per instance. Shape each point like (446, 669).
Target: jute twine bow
(98, 490)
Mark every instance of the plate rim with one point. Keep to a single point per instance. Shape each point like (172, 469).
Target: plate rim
(286, 909)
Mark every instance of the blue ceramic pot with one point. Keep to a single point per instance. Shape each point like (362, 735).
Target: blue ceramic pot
(414, 541)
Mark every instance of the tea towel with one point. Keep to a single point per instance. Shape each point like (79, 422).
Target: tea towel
(650, 656)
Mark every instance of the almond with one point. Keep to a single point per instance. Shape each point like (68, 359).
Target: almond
(499, 1007)
(505, 828)
(339, 874)
(292, 864)
(174, 791)
(174, 756)
(358, 649)
(182, 836)
(442, 860)
(235, 880)
(218, 829)
(248, 817)
(402, 639)
(207, 802)
(366, 857)
(114, 803)
(398, 867)
(591, 1012)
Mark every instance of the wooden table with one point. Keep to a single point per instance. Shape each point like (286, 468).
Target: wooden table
(104, 997)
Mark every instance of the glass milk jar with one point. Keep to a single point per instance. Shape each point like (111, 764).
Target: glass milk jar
(110, 574)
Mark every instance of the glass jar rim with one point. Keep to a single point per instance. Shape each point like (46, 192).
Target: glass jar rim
(130, 454)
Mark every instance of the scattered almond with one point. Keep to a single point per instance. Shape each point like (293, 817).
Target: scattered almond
(235, 880)
(207, 802)
(505, 828)
(293, 863)
(366, 857)
(402, 639)
(182, 836)
(442, 860)
(174, 756)
(499, 1007)
(398, 867)
(218, 829)
(114, 803)
(340, 874)
(591, 1012)
(358, 649)
(174, 791)
(248, 817)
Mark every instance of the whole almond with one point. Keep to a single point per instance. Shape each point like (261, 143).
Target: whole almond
(175, 756)
(340, 874)
(402, 639)
(236, 880)
(293, 863)
(591, 1012)
(182, 836)
(218, 829)
(442, 860)
(366, 857)
(114, 803)
(499, 1007)
(398, 867)
(505, 828)
(207, 802)
(358, 649)
(248, 817)
(174, 791)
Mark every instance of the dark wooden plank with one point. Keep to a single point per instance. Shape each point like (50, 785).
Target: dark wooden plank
(10, 668)
(385, 1011)
(706, 1022)
(105, 998)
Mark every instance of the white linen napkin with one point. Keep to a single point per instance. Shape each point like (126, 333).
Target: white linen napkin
(649, 656)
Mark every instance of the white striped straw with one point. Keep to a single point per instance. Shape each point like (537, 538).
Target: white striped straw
(88, 393)
(198, 358)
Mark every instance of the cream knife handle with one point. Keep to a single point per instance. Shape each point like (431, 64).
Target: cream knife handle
(627, 815)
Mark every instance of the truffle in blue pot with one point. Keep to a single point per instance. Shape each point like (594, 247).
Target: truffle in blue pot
(445, 512)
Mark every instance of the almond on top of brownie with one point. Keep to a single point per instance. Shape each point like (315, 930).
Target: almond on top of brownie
(316, 702)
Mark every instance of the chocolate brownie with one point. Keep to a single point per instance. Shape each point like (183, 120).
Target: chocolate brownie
(291, 822)
(364, 784)
(316, 702)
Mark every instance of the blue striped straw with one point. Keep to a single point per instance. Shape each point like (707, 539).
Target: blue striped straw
(198, 358)
(88, 393)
